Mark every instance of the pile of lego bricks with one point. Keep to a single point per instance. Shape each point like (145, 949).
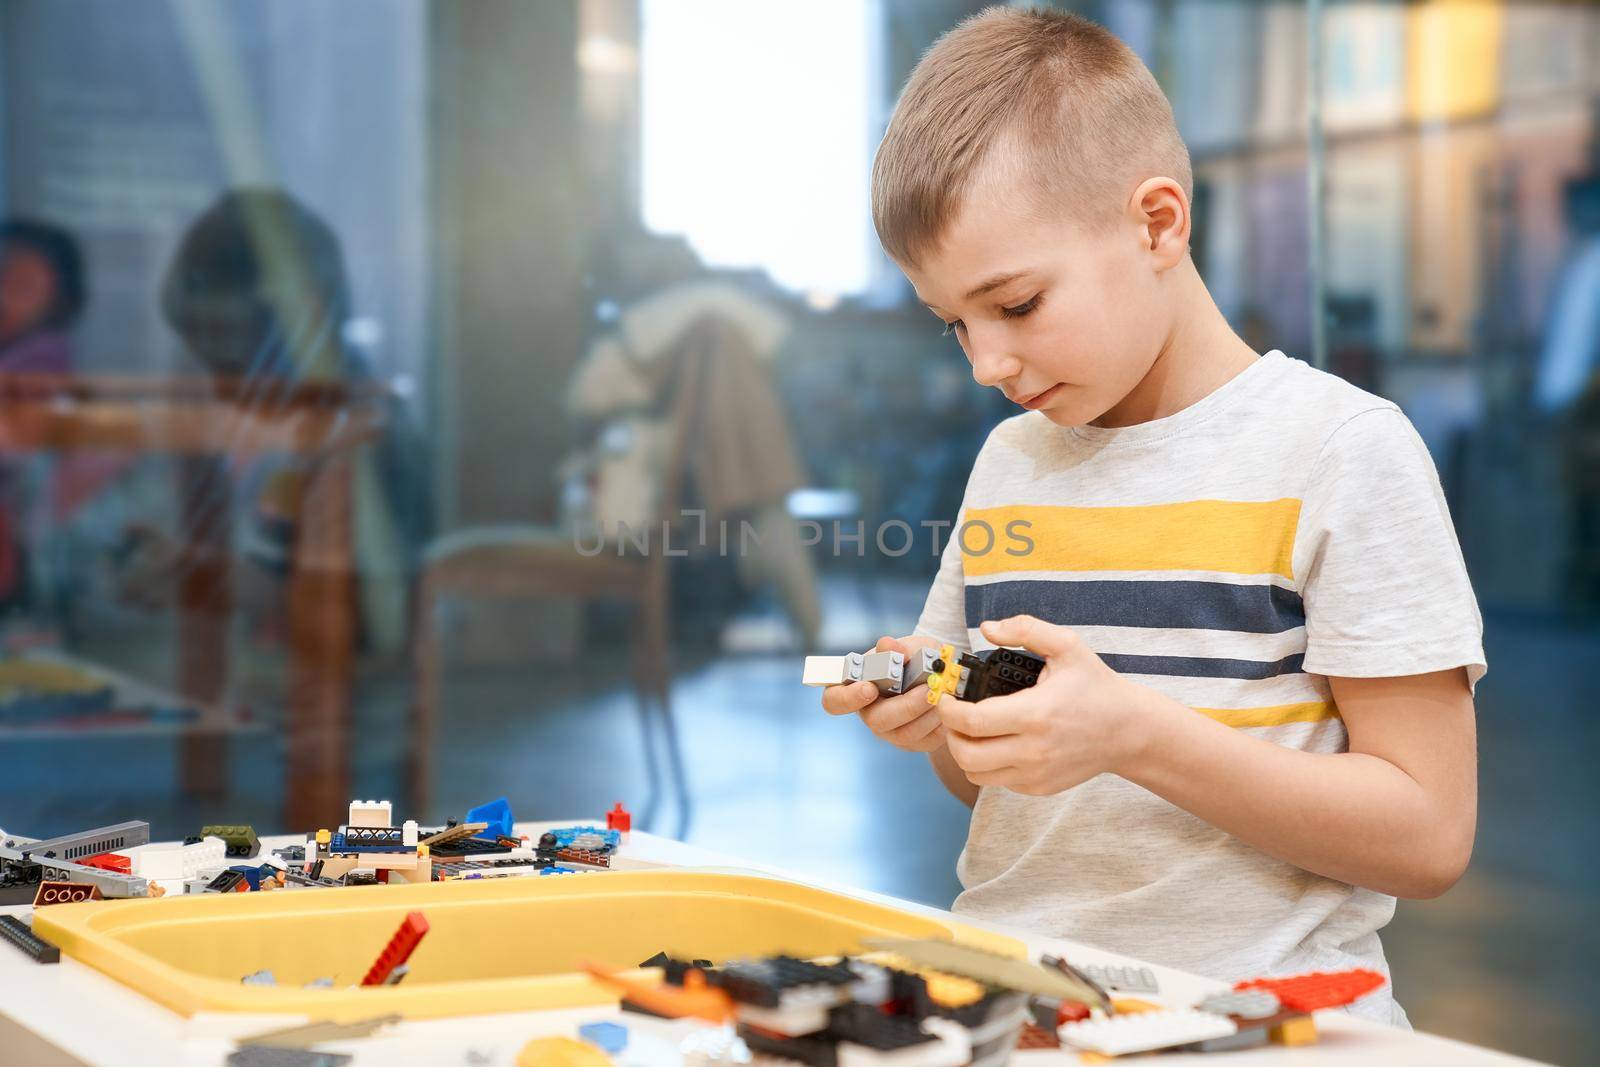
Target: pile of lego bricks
(87, 858)
(227, 858)
(936, 1003)
(855, 1010)
(1255, 1012)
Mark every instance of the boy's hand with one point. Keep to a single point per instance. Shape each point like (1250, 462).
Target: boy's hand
(906, 721)
(1077, 722)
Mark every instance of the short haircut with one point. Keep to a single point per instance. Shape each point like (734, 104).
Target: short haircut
(1054, 98)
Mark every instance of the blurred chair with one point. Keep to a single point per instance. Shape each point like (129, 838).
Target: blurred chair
(530, 563)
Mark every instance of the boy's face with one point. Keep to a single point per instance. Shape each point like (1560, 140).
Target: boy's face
(1077, 323)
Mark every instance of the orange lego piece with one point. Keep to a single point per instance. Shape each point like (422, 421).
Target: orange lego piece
(1318, 990)
(695, 999)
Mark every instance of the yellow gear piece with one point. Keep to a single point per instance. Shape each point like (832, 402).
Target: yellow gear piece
(948, 679)
(561, 1052)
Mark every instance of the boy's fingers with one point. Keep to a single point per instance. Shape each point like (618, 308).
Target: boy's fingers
(982, 719)
(915, 731)
(1005, 776)
(897, 711)
(979, 755)
(905, 645)
(848, 699)
(1035, 635)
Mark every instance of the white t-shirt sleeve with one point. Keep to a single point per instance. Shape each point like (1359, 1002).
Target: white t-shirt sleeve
(1385, 588)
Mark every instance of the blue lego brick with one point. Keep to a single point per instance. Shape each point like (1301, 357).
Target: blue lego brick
(369, 839)
(567, 835)
(497, 813)
(558, 869)
(251, 875)
(607, 1037)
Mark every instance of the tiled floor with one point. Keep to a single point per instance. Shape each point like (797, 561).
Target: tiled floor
(1505, 959)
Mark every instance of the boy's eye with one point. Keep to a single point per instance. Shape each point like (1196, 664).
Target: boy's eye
(951, 327)
(1018, 310)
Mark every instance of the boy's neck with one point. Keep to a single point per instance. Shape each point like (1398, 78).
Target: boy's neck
(1200, 354)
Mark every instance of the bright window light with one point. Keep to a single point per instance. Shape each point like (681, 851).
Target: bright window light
(757, 135)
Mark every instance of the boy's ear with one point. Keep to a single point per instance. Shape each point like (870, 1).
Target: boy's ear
(1160, 210)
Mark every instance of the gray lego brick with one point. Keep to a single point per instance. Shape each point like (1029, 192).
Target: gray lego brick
(1122, 979)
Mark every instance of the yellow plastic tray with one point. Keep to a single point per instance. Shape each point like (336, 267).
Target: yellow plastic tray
(493, 946)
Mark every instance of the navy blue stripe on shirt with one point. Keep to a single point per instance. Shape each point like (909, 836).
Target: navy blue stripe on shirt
(1203, 667)
(1178, 605)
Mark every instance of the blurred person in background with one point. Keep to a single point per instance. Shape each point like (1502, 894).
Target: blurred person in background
(258, 293)
(42, 296)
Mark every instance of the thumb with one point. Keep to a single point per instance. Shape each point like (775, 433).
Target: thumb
(892, 644)
(1037, 636)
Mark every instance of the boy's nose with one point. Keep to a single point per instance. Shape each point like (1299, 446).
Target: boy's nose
(990, 365)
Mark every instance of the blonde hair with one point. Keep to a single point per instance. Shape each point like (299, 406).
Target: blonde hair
(1057, 100)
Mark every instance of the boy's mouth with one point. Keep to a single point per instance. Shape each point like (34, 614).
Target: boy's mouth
(1037, 400)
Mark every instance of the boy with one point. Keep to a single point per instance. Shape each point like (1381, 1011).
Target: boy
(1255, 729)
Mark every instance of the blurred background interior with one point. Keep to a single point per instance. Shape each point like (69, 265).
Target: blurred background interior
(351, 353)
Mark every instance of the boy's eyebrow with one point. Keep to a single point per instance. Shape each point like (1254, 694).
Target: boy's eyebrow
(989, 286)
(996, 282)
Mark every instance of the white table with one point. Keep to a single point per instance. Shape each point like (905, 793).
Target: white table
(68, 1013)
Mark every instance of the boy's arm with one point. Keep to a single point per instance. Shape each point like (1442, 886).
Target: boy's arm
(953, 777)
(1396, 813)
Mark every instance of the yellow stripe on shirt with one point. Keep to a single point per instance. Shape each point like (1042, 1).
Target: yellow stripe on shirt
(1275, 715)
(1227, 536)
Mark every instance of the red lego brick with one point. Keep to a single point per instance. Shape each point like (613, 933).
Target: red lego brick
(619, 818)
(1321, 989)
(398, 950)
(110, 861)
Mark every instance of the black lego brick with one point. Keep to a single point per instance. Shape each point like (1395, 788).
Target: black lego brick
(21, 935)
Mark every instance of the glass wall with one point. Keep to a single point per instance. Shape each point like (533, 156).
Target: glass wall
(441, 400)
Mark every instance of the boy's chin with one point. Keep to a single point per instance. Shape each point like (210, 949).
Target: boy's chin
(1067, 420)
(1066, 414)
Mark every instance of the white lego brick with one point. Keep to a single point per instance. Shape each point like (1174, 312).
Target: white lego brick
(831, 670)
(1145, 1031)
(408, 833)
(172, 862)
(370, 813)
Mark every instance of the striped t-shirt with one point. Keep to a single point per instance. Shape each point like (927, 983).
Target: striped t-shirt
(1286, 528)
